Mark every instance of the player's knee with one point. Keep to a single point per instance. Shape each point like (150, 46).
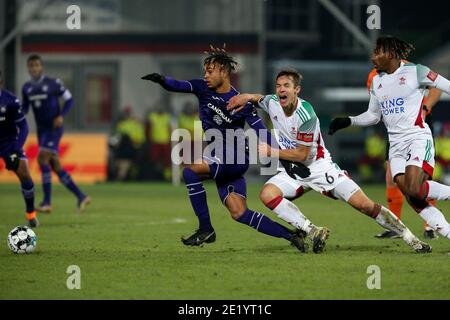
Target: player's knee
(268, 194)
(265, 195)
(23, 174)
(43, 160)
(55, 165)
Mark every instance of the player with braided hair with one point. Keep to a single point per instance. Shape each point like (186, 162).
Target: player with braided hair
(224, 166)
(394, 196)
(396, 97)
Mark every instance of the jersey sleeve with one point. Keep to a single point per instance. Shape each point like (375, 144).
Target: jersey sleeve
(264, 102)
(428, 78)
(371, 116)
(59, 87)
(16, 111)
(184, 86)
(197, 85)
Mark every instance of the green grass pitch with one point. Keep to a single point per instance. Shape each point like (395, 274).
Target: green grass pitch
(127, 245)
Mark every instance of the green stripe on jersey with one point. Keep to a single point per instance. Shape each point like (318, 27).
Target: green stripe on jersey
(274, 97)
(428, 151)
(301, 116)
(307, 107)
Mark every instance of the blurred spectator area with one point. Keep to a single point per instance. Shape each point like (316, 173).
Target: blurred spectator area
(119, 41)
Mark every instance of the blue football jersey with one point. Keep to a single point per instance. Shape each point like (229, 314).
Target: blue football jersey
(43, 96)
(10, 115)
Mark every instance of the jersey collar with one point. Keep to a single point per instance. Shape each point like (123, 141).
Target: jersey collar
(39, 80)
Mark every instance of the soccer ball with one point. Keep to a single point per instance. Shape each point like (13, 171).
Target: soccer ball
(22, 240)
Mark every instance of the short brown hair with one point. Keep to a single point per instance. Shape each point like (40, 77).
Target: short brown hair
(296, 76)
(34, 57)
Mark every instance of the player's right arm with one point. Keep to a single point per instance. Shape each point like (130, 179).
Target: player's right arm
(171, 84)
(370, 117)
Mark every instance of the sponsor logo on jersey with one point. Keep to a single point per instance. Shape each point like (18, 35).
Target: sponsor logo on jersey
(380, 86)
(305, 137)
(217, 119)
(392, 106)
(402, 80)
(432, 75)
(219, 113)
(287, 143)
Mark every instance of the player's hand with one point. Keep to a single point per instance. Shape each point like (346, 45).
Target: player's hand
(237, 103)
(58, 122)
(338, 123)
(12, 161)
(155, 77)
(265, 150)
(294, 169)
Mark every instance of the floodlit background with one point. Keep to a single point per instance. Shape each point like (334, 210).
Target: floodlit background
(119, 41)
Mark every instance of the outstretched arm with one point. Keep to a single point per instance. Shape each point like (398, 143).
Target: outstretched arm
(170, 84)
(431, 79)
(370, 117)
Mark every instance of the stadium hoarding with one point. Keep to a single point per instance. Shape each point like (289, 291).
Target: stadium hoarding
(84, 156)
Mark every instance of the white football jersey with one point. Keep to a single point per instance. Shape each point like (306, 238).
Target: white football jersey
(301, 128)
(397, 99)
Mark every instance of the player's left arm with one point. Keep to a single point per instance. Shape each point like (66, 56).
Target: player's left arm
(432, 98)
(65, 94)
(430, 79)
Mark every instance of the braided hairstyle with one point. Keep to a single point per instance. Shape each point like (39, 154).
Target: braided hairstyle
(399, 49)
(220, 57)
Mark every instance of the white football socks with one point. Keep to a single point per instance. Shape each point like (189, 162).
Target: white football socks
(289, 212)
(436, 220)
(438, 191)
(389, 221)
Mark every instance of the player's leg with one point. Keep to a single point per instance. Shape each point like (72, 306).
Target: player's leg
(393, 193)
(236, 204)
(350, 192)
(432, 216)
(67, 181)
(193, 175)
(27, 185)
(394, 197)
(276, 194)
(415, 190)
(44, 157)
